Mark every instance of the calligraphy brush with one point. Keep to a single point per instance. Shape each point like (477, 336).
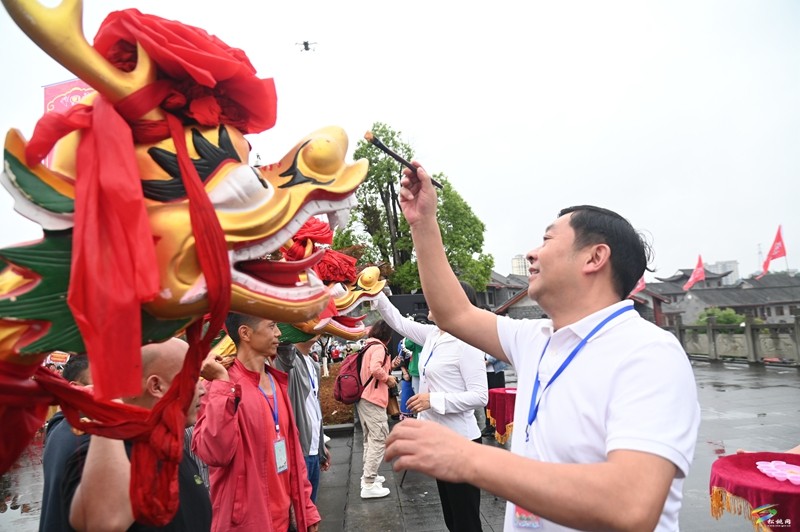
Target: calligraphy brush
(375, 141)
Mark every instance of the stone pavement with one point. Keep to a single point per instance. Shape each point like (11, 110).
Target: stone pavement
(755, 408)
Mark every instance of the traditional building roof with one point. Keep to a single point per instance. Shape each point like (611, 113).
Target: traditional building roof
(682, 275)
(503, 309)
(510, 281)
(772, 280)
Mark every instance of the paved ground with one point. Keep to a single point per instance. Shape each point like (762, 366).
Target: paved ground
(742, 407)
(753, 408)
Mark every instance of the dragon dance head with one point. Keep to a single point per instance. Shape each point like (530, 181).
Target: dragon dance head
(153, 219)
(137, 63)
(338, 271)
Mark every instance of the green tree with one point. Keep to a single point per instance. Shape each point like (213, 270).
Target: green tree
(726, 316)
(379, 226)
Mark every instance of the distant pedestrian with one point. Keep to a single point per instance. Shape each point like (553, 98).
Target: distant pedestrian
(372, 407)
(294, 358)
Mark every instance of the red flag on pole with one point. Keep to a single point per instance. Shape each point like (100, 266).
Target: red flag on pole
(777, 251)
(699, 274)
(639, 286)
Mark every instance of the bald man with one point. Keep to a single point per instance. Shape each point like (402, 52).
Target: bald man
(97, 483)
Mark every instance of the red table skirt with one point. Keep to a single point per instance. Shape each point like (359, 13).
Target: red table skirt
(736, 485)
(500, 411)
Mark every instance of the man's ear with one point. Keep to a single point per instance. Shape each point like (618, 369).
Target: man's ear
(155, 387)
(598, 256)
(245, 332)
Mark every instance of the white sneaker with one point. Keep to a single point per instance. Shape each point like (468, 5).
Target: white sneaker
(376, 491)
(379, 479)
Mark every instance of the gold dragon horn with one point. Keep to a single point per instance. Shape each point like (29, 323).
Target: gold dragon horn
(59, 32)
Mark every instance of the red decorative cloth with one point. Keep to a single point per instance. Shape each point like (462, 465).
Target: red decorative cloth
(336, 267)
(500, 411)
(214, 83)
(736, 485)
(315, 230)
(200, 80)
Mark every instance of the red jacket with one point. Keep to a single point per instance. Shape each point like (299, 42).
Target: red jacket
(231, 437)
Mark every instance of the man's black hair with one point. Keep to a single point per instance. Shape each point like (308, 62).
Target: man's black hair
(74, 368)
(380, 330)
(236, 320)
(629, 252)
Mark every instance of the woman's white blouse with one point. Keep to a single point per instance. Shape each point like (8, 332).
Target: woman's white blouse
(453, 372)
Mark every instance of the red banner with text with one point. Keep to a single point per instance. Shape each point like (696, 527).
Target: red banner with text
(59, 97)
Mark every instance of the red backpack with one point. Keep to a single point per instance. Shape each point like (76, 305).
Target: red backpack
(348, 386)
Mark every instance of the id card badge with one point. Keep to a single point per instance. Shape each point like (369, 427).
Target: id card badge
(525, 519)
(280, 455)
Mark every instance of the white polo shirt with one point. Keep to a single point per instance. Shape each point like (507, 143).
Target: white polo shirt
(630, 387)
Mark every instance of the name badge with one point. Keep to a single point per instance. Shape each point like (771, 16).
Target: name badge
(280, 455)
(525, 519)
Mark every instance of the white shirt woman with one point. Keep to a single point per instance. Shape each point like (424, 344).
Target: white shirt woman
(452, 374)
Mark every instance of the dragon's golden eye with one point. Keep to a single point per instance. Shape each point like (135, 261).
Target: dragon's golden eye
(323, 156)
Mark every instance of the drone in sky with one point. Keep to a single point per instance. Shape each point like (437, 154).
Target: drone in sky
(306, 46)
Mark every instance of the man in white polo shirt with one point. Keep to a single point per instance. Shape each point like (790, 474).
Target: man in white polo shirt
(606, 414)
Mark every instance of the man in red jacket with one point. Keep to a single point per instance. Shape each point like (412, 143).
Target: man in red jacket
(247, 435)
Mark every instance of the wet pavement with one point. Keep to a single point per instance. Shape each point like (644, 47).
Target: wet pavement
(754, 408)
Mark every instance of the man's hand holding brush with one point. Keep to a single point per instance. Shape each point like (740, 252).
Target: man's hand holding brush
(417, 196)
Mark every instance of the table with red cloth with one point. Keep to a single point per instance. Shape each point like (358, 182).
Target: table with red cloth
(500, 411)
(736, 485)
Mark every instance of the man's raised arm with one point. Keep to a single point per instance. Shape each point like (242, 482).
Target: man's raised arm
(452, 310)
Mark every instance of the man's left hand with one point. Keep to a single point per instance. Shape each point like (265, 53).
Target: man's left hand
(313, 528)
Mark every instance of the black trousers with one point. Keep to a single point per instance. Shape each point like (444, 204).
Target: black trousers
(494, 379)
(461, 505)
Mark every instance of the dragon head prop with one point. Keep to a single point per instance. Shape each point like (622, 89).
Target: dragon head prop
(338, 271)
(256, 209)
(152, 217)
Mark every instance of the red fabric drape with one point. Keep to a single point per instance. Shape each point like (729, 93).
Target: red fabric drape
(336, 267)
(737, 475)
(204, 81)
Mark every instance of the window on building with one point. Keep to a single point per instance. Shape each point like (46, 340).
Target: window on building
(794, 310)
(767, 311)
(490, 298)
(779, 311)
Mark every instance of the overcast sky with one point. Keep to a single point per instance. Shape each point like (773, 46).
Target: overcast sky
(683, 116)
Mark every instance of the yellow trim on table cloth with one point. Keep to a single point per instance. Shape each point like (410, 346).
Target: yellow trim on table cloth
(721, 501)
(501, 438)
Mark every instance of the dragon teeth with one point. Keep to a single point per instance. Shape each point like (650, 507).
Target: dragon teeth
(197, 292)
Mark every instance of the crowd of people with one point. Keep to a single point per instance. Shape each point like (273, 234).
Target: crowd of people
(606, 403)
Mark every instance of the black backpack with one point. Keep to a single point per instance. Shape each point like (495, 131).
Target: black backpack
(348, 386)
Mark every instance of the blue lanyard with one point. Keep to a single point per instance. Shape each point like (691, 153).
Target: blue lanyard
(310, 369)
(534, 409)
(272, 409)
(433, 348)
